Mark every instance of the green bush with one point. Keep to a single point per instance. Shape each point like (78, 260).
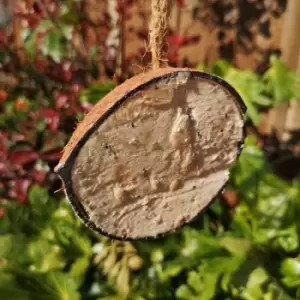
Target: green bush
(248, 253)
(245, 248)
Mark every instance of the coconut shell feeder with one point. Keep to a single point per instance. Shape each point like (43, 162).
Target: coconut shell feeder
(156, 151)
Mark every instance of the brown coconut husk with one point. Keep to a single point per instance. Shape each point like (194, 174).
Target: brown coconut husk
(128, 183)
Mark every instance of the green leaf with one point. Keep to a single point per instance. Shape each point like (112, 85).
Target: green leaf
(230, 266)
(68, 236)
(79, 268)
(41, 208)
(30, 43)
(290, 267)
(280, 82)
(13, 249)
(249, 169)
(291, 281)
(286, 239)
(53, 285)
(45, 256)
(210, 283)
(38, 198)
(122, 281)
(171, 269)
(257, 278)
(70, 18)
(198, 245)
(10, 290)
(157, 255)
(95, 92)
(236, 246)
(251, 89)
(54, 44)
(30, 37)
(184, 293)
(194, 281)
(220, 68)
(64, 286)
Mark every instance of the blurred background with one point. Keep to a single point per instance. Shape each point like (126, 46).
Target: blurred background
(59, 58)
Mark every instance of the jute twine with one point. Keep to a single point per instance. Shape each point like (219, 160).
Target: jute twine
(160, 12)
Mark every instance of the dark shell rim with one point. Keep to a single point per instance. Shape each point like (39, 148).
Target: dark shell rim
(64, 171)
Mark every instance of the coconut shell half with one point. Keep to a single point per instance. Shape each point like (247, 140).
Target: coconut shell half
(153, 153)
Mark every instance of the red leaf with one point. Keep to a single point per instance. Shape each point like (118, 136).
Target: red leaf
(37, 7)
(231, 198)
(84, 24)
(19, 188)
(142, 34)
(3, 95)
(22, 157)
(60, 72)
(3, 153)
(191, 40)
(76, 87)
(52, 118)
(52, 155)
(67, 73)
(41, 65)
(173, 57)
(3, 141)
(176, 40)
(17, 137)
(53, 8)
(33, 20)
(39, 176)
(3, 168)
(60, 100)
(180, 3)
(3, 37)
(87, 107)
(2, 212)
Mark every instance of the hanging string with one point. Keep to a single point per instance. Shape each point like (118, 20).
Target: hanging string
(160, 12)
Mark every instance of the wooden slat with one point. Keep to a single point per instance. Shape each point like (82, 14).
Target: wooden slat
(293, 113)
(290, 45)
